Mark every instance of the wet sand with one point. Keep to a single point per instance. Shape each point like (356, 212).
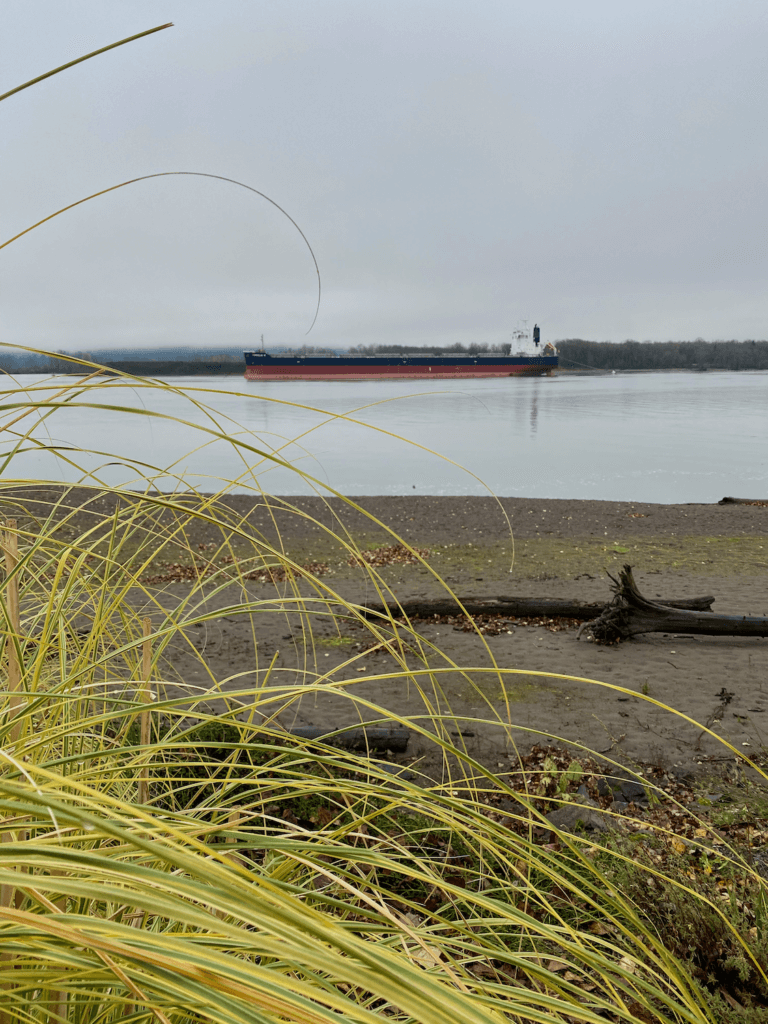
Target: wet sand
(561, 549)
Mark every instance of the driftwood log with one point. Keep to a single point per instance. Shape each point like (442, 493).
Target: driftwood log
(629, 614)
(524, 607)
(365, 738)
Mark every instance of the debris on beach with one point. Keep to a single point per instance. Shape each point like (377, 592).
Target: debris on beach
(666, 806)
(396, 554)
(758, 502)
(494, 625)
(630, 613)
(178, 572)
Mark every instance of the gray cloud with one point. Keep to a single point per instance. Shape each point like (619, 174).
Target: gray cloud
(597, 166)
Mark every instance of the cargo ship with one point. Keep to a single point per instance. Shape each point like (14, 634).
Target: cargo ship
(416, 366)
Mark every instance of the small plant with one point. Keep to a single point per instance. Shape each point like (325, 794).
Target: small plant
(706, 910)
(335, 641)
(571, 776)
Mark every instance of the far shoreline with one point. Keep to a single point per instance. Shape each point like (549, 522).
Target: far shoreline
(163, 368)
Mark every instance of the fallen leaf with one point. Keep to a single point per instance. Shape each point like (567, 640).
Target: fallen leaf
(558, 965)
(628, 964)
(601, 928)
(485, 971)
(733, 1003)
(425, 956)
(642, 1013)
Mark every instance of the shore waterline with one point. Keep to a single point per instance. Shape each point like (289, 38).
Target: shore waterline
(656, 437)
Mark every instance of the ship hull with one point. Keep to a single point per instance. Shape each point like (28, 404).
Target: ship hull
(260, 366)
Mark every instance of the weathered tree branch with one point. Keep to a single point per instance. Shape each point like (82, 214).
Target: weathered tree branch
(533, 607)
(630, 614)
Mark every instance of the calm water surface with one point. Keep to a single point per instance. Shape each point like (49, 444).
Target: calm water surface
(659, 437)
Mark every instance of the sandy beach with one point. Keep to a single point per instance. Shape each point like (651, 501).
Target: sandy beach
(610, 699)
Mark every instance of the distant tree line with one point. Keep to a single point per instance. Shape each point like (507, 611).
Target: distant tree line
(574, 353)
(178, 360)
(663, 355)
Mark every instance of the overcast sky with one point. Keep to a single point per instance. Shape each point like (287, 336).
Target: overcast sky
(597, 166)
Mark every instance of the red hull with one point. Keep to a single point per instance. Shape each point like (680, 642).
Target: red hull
(342, 372)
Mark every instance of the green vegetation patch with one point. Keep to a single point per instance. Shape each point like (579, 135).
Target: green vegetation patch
(546, 556)
(494, 688)
(334, 641)
(708, 912)
(529, 558)
(542, 557)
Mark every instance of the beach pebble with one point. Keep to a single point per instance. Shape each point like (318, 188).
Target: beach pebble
(634, 793)
(603, 787)
(578, 816)
(709, 798)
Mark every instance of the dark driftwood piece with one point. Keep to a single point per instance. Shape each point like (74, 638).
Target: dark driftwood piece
(528, 607)
(743, 501)
(366, 738)
(630, 613)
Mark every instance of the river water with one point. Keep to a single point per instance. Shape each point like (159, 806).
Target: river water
(656, 437)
